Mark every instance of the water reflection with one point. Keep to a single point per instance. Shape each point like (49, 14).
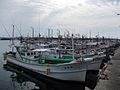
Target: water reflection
(24, 81)
(20, 81)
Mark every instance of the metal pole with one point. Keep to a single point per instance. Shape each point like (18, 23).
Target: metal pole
(73, 47)
(13, 40)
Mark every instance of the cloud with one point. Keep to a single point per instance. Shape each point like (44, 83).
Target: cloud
(103, 2)
(81, 15)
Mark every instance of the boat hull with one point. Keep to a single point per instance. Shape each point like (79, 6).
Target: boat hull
(42, 81)
(94, 64)
(66, 72)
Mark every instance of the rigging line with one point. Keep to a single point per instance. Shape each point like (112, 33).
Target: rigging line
(5, 30)
(18, 30)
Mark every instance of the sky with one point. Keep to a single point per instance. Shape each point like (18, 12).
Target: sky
(100, 17)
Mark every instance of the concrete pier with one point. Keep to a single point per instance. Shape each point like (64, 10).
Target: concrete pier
(112, 80)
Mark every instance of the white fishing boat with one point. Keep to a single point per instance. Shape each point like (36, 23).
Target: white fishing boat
(69, 71)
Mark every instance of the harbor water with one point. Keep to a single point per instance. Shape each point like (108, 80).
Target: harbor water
(8, 79)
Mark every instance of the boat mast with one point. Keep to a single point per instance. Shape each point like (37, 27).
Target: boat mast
(48, 32)
(73, 48)
(33, 33)
(13, 39)
(52, 33)
(90, 35)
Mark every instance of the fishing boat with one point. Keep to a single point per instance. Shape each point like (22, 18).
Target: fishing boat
(68, 70)
(58, 66)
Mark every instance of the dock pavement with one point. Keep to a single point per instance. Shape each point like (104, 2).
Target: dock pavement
(112, 73)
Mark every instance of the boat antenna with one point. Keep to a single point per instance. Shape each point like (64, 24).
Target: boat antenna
(32, 32)
(39, 25)
(52, 33)
(90, 35)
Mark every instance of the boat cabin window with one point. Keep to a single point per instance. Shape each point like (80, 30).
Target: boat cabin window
(32, 53)
(28, 54)
(55, 57)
